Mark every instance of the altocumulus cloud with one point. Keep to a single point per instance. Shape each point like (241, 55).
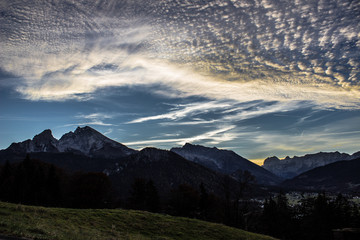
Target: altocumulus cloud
(239, 50)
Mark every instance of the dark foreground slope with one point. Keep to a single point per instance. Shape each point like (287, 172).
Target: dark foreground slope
(342, 176)
(61, 223)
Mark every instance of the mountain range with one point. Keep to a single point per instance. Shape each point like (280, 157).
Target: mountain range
(290, 167)
(86, 144)
(86, 150)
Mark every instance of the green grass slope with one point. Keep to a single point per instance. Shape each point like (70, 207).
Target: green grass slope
(61, 223)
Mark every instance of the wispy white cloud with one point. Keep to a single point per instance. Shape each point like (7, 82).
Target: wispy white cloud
(94, 123)
(220, 112)
(95, 119)
(95, 116)
(219, 135)
(187, 110)
(110, 130)
(264, 109)
(195, 121)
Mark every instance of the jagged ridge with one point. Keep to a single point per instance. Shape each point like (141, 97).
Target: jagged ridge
(291, 167)
(85, 140)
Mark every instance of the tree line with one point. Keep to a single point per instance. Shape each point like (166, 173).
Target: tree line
(37, 183)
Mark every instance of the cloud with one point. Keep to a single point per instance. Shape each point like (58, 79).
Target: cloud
(219, 112)
(309, 142)
(267, 55)
(187, 110)
(342, 134)
(261, 109)
(95, 119)
(94, 123)
(219, 135)
(110, 130)
(95, 116)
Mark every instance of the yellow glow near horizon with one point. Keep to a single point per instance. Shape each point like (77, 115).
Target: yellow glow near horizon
(258, 161)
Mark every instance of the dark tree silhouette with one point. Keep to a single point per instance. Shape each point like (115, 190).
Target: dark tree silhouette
(89, 190)
(204, 201)
(277, 217)
(184, 201)
(144, 195)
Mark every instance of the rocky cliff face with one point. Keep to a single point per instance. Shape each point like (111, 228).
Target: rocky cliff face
(43, 142)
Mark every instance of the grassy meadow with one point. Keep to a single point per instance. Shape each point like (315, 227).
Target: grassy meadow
(60, 223)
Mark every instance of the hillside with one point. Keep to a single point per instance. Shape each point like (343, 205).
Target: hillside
(167, 170)
(226, 162)
(60, 223)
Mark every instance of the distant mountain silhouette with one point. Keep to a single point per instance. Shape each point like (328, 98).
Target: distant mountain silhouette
(291, 167)
(83, 150)
(341, 176)
(225, 161)
(84, 141)
(87, 150)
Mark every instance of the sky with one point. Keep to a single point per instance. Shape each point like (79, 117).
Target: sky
(259, 77)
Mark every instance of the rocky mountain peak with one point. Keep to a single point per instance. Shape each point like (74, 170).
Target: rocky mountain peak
(188, 145)
(43, 142)
(154, 154)
(271, 160)
(85, 130)
(45, 136)
(90, 142)
(84, 139)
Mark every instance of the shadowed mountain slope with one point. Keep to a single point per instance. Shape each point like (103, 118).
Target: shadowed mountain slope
(225, 161)
(341, 176)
